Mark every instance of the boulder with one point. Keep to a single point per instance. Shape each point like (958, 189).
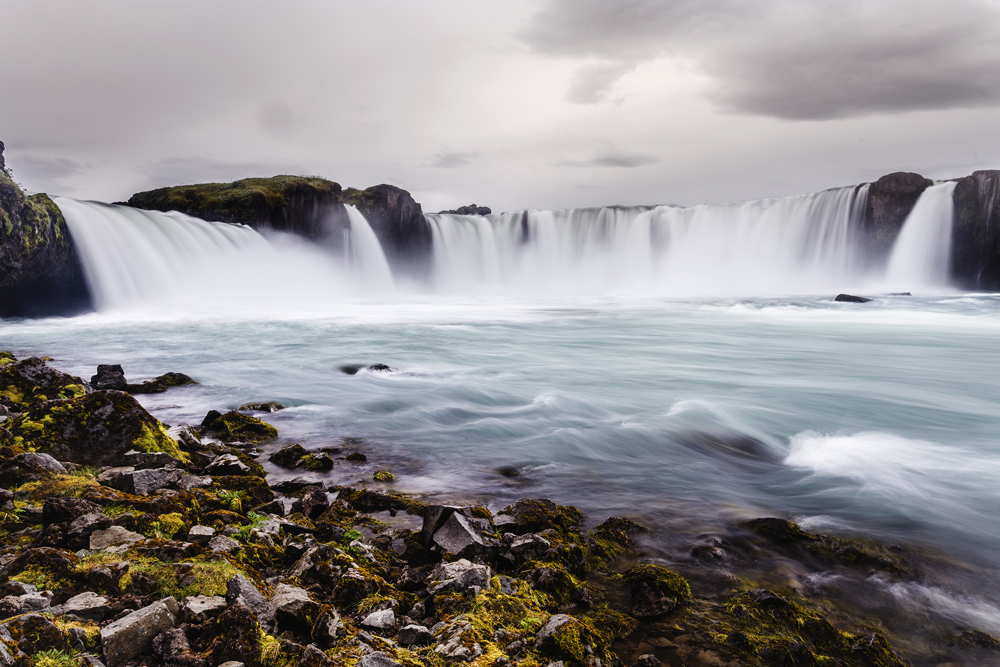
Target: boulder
(188, 482)
(144, 460)
(460, 536)
(261, 406)
(560, 638)
(89, 606)
(160, 384)
(890, 200)
(313, 657)
(200, 608)
(236, 426)
(381, 620)
(95, 429)
(31, 381)
(239, 590)
(414, 634)
(533, 516)
(850, 298)
(221, 544)
(14, 605)
(294, 609)
(66, 509)
(113, 536)
(129, 636)
(172, 645)
(109, 376)
(28, 467)
(40, 271)
(145, 482)
(327, 627)
(200, 534)
(81, 528)
(377, 659)
(312, 503)
(460, 576)
(456, 641)
(975, 238)
(288, 457)
(227, 465)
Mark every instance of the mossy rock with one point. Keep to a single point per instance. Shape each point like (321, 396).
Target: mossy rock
(95, 429)
(655, 590)
(779, 530)
(7, 358)
(256, 489)
(529, 515)
(289, 456)
(31, 381)
(236, 426)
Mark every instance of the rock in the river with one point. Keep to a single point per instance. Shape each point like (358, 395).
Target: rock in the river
(312, 503)
(109, 376)
(850, 298)
(237, 426)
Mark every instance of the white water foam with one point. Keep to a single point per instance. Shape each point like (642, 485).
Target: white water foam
(920, 255)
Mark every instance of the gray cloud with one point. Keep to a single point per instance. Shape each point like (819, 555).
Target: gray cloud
(610, 157)
(44, 173)
(797, 61)
(179, 171)
(451, 160)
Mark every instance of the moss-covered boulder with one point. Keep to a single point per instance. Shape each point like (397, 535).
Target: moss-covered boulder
(529, 515)
(31, 381)
(40, 272)
(655, 590)
(95, 429)
(235, 426)
(295, 204)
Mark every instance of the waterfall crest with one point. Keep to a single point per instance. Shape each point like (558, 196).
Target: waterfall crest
(797, 244)
(920, 255)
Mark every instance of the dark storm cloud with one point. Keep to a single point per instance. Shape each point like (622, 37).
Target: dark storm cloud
(451, 160)
(791, 60)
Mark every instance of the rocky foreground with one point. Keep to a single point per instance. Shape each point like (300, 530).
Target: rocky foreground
(125, 542)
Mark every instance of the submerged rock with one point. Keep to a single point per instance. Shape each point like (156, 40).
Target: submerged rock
(353, 369)
(850, 298)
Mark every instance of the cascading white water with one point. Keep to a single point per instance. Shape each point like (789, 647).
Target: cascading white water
(366, 252)
(137, 260)
(920, 256)
(790, 245)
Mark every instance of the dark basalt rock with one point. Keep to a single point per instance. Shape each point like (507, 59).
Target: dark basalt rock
(28, 467)
(237, 426)
(975, 237)
(850, 298)
(397, 220)
(532, 516)
(352, 369)
(471, 209)
(40, 271)
(109, 376)
(890, 200)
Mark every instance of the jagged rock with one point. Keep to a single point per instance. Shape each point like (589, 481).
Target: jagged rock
(524, 548)
(380, 619)
(95, 429)
(28, 467)
(411, 579)
(313, 657)
(453, 644)
(327, 627)
(200, 608)
(312, 503)
(295, 484)
(89, 605)
(227, 464)
(109, 376)
(29, 382)
(129, 636)
(171, 644)
(189, 482)
(294, 609)
(414, 634)
(275, 507)
(201, 534)
(460, 576)
(107, 474)
(145, 482)
(458, 535)
(107, 577)
(221, 544)
(239, 590)
(13, 605)
(142, 460)
(83, 526)
(377, 659)
(111, 537)
(66, 509)
(533, 516)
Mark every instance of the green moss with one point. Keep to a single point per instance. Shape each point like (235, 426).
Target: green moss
(73, 485)
(54, 658)
(383, 476)
(154, 438)
(204, 577)
(661, 580)
(238, 426)
(167, 526)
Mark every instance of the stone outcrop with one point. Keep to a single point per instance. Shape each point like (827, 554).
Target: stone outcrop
(40, 272)
(471, 209)
(890, 200)
(975, 249)
(397, 220)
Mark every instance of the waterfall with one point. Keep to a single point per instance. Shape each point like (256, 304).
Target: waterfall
(366, 253)
(921, 253)
(152, 261)
(797, 244)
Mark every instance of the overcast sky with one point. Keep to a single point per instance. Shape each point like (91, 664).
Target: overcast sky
(505, 103)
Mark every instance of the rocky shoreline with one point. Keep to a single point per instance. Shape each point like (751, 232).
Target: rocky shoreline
(126, 542)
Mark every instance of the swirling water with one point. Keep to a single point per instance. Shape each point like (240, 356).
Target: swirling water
(875, 419)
